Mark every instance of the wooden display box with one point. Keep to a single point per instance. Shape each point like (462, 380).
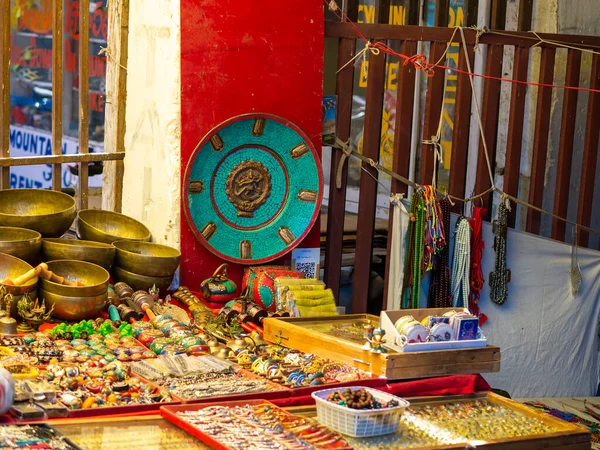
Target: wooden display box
(310, 335)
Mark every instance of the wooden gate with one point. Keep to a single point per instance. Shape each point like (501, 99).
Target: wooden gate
(494, 44)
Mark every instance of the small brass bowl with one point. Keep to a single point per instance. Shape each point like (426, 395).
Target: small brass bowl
(89, 251)
(20, 242)
(141, 282)
(146, 258)
(11, 267)
(94, 277)
(107, 226)
(50, 213)
(73, 308)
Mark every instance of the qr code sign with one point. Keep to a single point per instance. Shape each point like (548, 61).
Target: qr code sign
(309, 269)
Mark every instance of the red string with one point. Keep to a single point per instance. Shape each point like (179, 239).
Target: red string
(476, 274)
(420, 61)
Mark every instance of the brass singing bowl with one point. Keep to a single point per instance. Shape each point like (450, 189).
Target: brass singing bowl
(146, 258)
(107, 226)
(50, 213)
(89, 251)
(94, 277)
(141, 282)
(11, 268)
(20, 242)
(73, 308)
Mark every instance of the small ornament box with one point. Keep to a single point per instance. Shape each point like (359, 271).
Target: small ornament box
(464, 327)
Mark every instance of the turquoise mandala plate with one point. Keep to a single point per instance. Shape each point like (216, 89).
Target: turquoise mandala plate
(253, 188)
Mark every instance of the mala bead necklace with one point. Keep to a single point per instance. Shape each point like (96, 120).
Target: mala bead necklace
(439, 291)
(477, 246)
(414, 252)
(460, 265)
(500, 277)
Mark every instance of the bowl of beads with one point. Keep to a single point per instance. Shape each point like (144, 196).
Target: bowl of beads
(359, 411)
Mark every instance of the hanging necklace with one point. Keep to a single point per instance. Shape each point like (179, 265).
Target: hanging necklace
(476, 275)
(411, 290)
(434, 239)
(439, 291)
(500, 277)
(461, 263)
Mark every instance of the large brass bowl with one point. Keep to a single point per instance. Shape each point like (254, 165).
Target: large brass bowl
(73, 308)
(141, 282)
(20, 242)
(90, 251)
(11, 267)
(50, 213)
(94, 277)
(107, 226)
(147, 258)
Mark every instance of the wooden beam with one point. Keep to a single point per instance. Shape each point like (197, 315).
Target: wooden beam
(460, 135)
(382, 11)
(60, 159)
(590, 154)
(57, 89)
(433, 110)
(540, 140)
(444, 34)
(5, 111)
(489, 118)
(337, 197)
(471, 9)
(352, 10)
(368, 183)
(413, 12)
(116, 96)
(516, 121)
(524, 21)
(565, 149)
(442, 11)
(84, 100)
(402, 141)
(498, 15)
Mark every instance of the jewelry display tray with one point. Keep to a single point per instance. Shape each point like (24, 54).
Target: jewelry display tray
(170, 414)
(566, 436)
(310, 335)
(389, 318)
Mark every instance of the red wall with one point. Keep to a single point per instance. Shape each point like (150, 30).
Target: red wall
(240, 56)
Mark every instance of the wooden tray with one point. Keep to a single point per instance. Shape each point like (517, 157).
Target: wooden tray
(567, 437)
(296, 332)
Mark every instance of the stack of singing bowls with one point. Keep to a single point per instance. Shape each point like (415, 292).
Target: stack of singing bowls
(143, 265)
(75, 303)
(97, 253)
(50, 213)
(107, 227)
(11, 268)
(20, 242)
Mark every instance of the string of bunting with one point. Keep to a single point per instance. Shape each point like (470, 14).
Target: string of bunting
(420, 62)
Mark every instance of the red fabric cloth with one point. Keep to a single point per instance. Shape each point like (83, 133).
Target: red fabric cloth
(450, 385)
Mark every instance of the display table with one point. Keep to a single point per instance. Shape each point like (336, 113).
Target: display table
(153, 432)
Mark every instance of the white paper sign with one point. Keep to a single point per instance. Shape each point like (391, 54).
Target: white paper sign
(28, 141)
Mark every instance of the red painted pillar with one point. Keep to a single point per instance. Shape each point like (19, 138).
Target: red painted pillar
(241, 56)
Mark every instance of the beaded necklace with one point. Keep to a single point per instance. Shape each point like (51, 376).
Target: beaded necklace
(476, 275)
(500, 277)
(411, 290)
(439, 291)
(434, 239)
(461, 263)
